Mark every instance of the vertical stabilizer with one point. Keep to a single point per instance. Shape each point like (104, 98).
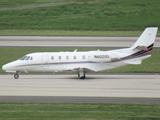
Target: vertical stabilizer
(146, 39)
(143, 47)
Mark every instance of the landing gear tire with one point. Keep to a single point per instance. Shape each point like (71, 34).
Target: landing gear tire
(81, 73)
(82, 77)
(16, 76)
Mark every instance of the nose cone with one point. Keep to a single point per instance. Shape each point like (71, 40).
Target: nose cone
(9, 67)
(5, 67)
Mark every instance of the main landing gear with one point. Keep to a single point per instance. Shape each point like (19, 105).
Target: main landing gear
(82, 77)
(16, 75)
(81, 74)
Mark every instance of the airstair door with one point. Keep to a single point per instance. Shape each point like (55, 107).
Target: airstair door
(45, 61)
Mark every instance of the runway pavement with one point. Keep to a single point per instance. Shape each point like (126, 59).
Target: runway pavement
(23, 41)
(68, 88)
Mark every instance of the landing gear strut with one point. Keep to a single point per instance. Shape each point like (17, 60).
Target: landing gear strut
(81, 74)
(16, 76)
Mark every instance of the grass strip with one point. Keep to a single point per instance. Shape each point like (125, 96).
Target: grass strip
(150, 65)
(69, 33)
(79, 111)
(87, 15)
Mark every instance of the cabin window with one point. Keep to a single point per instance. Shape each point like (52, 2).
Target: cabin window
(67, 57)
(74, 57)
(52, 58)
(60, 57)
(31, 58)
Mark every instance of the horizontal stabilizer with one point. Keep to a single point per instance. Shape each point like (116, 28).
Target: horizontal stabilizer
(141, 48)
(136, 61)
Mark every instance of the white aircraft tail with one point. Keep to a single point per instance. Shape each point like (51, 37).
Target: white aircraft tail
(146, 40)
(143, 47)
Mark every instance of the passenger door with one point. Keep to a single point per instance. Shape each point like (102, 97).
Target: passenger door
(45, 61)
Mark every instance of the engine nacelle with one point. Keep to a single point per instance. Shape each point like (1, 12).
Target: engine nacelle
(100, 56)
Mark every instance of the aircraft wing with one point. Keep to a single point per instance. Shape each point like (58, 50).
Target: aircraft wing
(77, 68)
(134, 62)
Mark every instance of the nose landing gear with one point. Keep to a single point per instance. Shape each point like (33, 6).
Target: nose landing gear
(16, 76)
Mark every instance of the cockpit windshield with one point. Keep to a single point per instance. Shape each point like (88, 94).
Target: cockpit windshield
(26, 58)
(23, 58)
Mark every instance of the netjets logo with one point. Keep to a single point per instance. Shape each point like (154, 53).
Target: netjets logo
(101, 56)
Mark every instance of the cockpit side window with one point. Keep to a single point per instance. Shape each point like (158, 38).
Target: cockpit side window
(23, 58)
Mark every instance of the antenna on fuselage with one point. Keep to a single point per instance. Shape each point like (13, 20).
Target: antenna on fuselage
(75, 50)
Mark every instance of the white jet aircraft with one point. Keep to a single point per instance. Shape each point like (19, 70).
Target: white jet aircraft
(82, 62)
